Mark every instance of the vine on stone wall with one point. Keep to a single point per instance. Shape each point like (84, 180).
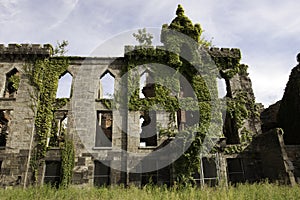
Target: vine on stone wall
(68, 161)
(44, 76)
(174, 54)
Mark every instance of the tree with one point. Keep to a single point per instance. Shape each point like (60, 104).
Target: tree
(144, 38)
(60, 48)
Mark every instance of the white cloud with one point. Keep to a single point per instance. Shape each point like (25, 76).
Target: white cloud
(265, 31)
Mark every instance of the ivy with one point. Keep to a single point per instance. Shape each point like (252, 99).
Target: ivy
(68, 161)
(44, 76)
(179, 54)
(14, 82)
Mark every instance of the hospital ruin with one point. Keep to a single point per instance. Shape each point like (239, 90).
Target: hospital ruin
(131, 120)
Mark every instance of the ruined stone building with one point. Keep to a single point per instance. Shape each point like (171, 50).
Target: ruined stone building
(126, 132)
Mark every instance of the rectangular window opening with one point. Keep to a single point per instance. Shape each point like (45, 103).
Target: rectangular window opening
(104, 129)
(148, 132)
(53, 173)
(102, 173)
(235, 170)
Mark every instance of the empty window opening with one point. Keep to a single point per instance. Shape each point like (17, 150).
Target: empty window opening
(102, 173)
(230, 130)
(147, 86)
(210, 171)
(64, 86)
(152, 173)
(208, 174)
(4, 120)
(59, 129)
(53, 173)
(148, 134)
(12, 83)
(104, 129)
(107, 86)
(221, 84)
(235, 170)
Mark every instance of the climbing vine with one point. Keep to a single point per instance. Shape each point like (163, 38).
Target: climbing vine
(43, 76)
(14, 82)
(68, 161)
(178, 53)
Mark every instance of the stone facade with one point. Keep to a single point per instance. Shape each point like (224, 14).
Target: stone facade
(122, 156)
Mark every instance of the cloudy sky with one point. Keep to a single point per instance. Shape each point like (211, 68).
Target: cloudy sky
(266, 31)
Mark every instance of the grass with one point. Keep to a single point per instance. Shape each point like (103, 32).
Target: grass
(245, 191)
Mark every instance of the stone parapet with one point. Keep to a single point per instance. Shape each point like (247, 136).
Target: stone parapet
(24, 51)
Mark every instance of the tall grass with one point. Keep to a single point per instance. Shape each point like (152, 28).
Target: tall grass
(245, 191)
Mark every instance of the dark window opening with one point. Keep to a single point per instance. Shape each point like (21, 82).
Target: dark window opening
(107, 86)
(4, 120)
(104, 129)
(64, 85)
(102, 173)
(235, 170)
(53, 173)
(153, 174)
(148, 135)
(210, 171)
(12, 83)
(147, 85)
(230, 130)
(164, 176)
(208, 174)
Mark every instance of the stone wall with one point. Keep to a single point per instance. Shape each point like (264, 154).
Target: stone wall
(125, 155)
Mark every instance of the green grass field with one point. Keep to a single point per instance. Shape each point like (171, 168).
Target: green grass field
(247, 191)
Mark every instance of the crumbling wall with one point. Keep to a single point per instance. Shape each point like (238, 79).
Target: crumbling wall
(276, 165)
(289, 111)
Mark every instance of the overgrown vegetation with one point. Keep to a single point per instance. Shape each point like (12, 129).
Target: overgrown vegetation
(43, 75)
(182, 41)
(254, 191)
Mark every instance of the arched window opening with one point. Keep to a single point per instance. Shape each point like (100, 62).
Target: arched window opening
(64, 86)
(12, 83)
(146, 85)
(107, 86)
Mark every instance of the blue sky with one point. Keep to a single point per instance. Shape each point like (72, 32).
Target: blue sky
(267, 32)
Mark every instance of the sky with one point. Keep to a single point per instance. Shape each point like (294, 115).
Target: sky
(266, 31)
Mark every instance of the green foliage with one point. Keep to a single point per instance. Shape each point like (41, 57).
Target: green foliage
(144, 38)
(180, 53)
(61, 102)
(68, 161)
(14, 82)
(259, 191)
(60, 48)
(44, 76)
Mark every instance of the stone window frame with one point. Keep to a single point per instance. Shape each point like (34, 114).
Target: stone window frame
(99, 125)
(71, 87)
(100, 91)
